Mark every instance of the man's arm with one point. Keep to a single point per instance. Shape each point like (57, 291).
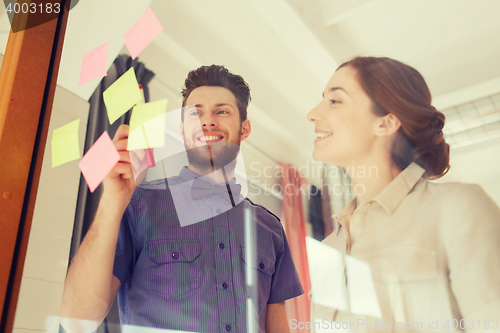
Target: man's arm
(91, 287)
(276, 319)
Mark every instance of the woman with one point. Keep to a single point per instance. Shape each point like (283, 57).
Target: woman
(433, 250)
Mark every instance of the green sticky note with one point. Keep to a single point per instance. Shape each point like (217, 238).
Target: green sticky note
(147, 126)
(122, 95)
(65, 144)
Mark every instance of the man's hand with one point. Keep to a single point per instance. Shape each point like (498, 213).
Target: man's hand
(119, 184)
(91, 287)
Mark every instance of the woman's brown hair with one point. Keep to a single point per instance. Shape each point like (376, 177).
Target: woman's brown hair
(397, 88)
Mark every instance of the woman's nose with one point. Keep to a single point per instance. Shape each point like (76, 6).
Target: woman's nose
(314, 114)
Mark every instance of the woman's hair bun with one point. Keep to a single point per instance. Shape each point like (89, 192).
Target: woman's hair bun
(397, 88)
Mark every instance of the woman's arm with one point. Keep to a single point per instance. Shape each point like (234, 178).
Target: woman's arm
(471, 232)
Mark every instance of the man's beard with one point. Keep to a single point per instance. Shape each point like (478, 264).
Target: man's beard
(213, 156)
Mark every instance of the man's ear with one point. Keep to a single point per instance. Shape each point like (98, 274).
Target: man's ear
(387, 125)
(181, 129)
(246, 128)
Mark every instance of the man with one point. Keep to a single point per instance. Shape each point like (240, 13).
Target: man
(185, 274)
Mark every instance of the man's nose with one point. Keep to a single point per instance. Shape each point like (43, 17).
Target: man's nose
(208, 120)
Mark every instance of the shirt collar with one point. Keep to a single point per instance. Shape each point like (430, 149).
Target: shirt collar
(392, 195)
(345, 213)
(188, 176)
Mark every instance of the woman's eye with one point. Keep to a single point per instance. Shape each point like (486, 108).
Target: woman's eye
(333, 101)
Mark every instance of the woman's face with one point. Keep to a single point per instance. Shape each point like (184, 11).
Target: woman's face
(344, 120)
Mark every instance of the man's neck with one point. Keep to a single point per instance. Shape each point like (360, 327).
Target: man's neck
(220, 176)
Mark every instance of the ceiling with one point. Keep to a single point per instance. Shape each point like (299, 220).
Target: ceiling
(287, 50)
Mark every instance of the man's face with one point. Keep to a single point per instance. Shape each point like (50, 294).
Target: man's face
(212, 129)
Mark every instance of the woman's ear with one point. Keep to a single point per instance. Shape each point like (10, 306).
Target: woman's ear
(387, 125)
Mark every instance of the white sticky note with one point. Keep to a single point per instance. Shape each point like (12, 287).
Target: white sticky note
(326, 268)
(362, 295)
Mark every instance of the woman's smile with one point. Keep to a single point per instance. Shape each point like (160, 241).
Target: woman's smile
(320, 135)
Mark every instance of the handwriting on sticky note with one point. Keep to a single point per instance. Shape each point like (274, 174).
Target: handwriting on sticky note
(142, 33)
(147, 125)
(98, 161)
(65, 144)
(122, 95)
(94, 64)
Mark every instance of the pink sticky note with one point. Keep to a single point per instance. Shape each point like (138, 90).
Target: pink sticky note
(144, 30)
(150, 158)
(139, 160)
(94, 64)
(99, 161)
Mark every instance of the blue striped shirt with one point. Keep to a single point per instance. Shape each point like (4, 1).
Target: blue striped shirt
(192, 278)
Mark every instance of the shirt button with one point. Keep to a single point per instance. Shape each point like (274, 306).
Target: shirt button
(219, 211)
(224, 285)
(228, 328)
(175, 255)
(221, 245)
(261, 265)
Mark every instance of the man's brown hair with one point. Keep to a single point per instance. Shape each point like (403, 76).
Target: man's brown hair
(218, 76)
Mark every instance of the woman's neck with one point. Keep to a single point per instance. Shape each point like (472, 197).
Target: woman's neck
(369, 179)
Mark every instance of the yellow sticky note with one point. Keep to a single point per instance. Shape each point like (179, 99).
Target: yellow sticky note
(65, 144)
(147, 126)
(122, 95)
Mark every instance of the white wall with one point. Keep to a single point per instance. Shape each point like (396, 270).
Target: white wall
(480, 164)
(4, 29)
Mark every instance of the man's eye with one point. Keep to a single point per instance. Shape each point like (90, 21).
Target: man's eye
(333, 101)
(222, 112)
(194, 113)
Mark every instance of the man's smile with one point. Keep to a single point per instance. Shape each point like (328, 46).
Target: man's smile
(210, 137)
